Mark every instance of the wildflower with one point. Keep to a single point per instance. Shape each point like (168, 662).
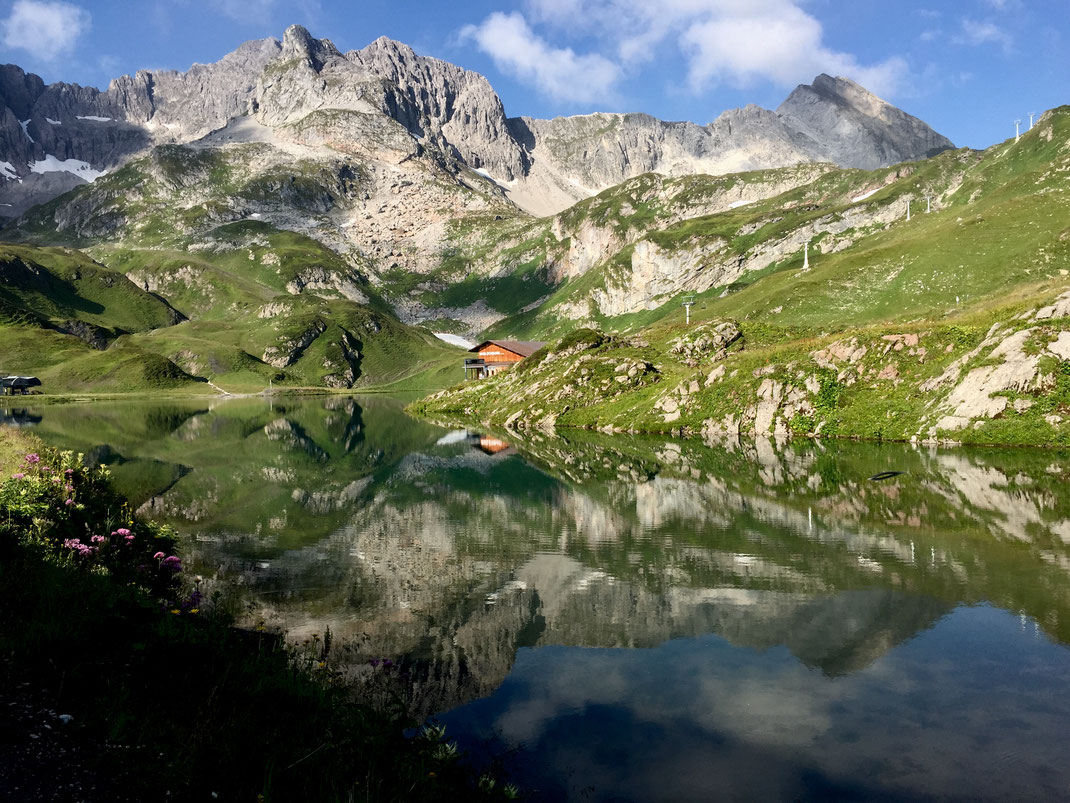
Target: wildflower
(129, 538)
(69, 471)
(122, 531)
(18, 476)
(97, 539)
(33, 459)
(68, 501)
(194, 610)
(158, 555)
(175, 611)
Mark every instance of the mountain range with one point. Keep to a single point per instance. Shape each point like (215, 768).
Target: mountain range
(56, 136)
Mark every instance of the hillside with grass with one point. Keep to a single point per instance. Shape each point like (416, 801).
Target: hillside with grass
(177, 272)
(949, 327)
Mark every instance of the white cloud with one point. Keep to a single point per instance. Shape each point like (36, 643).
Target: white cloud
(559, 73)
(983, 33)
(779, 44)
(735, 42)
(45, 28)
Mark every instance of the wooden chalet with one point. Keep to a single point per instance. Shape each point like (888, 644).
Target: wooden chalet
(497, 355)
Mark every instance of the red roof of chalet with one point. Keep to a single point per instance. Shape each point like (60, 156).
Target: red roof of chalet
(525, 348)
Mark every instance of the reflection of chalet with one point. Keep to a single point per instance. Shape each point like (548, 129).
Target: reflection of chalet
(496, 355)
(489, 444)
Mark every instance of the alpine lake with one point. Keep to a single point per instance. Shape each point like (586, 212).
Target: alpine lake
(635, 618)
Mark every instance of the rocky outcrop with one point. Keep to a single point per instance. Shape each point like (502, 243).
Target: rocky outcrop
(705, 343)
(290, 347)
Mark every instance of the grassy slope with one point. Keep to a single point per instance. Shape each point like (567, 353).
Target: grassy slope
(847, 398)
(1001, 227)
(163, 220)
(998, 247)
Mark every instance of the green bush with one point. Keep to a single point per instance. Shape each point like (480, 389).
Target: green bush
(70, 513)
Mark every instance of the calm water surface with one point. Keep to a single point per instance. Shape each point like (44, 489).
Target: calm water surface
(635, 618)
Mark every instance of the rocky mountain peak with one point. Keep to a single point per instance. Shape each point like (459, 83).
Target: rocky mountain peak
(855, 127)
(842, 92)
(298, 43)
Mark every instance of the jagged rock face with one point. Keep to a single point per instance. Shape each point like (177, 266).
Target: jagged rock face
(545, 165)
(456, 107)
(856, 128)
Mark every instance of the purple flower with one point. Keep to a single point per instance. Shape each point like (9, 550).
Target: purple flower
(33, 459)
(69, 471)
(18, 476)
(374, 662)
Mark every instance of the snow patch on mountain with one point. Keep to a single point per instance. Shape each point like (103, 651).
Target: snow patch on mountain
(454, 340)
(50, 164)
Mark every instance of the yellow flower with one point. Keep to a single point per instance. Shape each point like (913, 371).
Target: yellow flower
(175, 611)
(194, 610)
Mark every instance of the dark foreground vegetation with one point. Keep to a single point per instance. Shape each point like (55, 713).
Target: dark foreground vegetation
(120, 682)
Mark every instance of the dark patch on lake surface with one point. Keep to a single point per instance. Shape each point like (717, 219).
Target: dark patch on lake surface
(634, 618)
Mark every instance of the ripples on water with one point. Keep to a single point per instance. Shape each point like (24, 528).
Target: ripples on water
(639, 618)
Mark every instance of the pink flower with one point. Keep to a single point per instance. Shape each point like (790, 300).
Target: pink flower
(128, 538)
(18, 476)
(158, 555)
(97, 539)
(121, 531)
(68, 501)
(33, 459)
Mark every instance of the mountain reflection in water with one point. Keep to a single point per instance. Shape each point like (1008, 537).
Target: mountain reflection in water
(804, 631)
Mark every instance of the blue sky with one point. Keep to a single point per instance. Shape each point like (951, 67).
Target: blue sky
(967, 68)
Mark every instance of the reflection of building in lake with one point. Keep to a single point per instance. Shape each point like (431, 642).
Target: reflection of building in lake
(18, 418)
(491, 445)
(493, 356)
